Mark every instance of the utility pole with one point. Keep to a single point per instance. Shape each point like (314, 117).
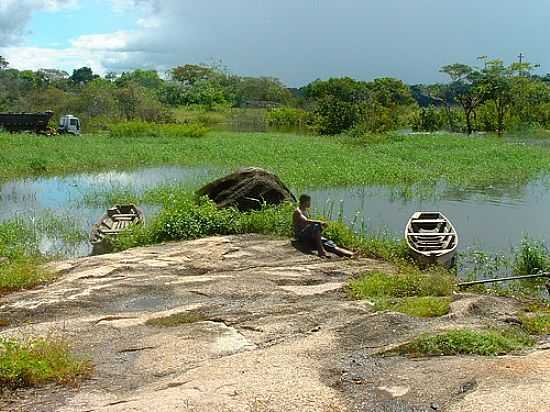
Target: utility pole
(520, 57)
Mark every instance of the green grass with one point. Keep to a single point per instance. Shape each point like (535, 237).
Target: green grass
(21, 264)
(143, 129)
(176, 319)
(39, 361)
(412, 292)
(467, 342)
(402, 285)
(301, 161)
(23, 273)
(420, 307)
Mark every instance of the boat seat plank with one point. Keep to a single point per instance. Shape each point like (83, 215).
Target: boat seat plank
(109, 232)
(428, 221)
(123, 215)
(433, 234)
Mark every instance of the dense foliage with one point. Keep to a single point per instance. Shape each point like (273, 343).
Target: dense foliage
(495, 98)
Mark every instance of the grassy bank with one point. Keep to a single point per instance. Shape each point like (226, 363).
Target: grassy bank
(301, 161)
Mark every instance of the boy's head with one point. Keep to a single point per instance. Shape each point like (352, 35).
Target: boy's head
(305, 201)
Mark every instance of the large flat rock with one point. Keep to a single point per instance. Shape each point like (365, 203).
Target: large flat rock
(278, 333)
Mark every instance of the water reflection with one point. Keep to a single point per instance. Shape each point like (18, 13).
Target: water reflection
(493, 219)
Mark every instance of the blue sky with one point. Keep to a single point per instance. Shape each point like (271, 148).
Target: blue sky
(295, 40)
(57, 28)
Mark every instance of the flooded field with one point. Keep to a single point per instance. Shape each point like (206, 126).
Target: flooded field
(493, 220)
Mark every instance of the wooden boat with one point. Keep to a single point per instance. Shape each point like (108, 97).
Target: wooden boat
(111, 224)
(432, 239)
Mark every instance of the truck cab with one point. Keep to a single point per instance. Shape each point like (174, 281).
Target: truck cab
(69, 124)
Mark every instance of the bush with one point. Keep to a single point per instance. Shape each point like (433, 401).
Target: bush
(334, 116)
(427, 120)
(288, 117)
(144, 129)
(188, 218)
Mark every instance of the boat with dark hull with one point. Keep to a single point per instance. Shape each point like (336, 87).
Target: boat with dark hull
(115, 221)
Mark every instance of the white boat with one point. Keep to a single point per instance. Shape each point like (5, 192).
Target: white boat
(432, 239)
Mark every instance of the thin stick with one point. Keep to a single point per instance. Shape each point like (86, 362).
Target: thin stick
(479, 282)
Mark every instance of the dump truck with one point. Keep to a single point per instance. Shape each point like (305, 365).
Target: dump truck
(26, 122)
(69, 124)
(39, 123)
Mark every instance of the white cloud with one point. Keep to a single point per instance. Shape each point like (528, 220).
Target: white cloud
(16, 14)
(110, 41)
(295, 40)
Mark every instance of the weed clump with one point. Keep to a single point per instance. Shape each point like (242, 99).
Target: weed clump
(467, 342)
(537, 324)
(414, 293)
(38, 361)
(177, 319)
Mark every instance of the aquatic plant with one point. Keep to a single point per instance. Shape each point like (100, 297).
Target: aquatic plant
(301, 161)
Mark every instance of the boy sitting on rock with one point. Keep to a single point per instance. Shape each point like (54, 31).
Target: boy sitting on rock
(308, 231)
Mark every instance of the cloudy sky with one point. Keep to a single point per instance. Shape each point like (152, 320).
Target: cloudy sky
(295, 40)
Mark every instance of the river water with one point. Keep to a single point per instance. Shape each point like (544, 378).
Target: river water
(493, 219)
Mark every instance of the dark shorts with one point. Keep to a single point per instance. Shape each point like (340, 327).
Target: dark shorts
(308, 233)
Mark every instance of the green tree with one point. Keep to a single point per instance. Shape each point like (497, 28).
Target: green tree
(243, 89)
(189, 74)
(83, 75)
(146, 78)
(344, 89)
(465, 87)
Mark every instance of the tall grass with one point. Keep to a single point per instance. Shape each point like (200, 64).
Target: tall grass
(532, 257)
(21, 262)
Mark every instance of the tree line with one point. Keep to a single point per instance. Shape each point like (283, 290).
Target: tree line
(492, 98)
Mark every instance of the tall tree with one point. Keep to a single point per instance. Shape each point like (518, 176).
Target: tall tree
(465, 84)
(498, 84)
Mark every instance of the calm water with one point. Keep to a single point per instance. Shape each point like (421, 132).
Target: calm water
(493, 220)
(71, 198)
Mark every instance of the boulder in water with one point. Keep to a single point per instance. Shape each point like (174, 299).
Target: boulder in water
(248, 189)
